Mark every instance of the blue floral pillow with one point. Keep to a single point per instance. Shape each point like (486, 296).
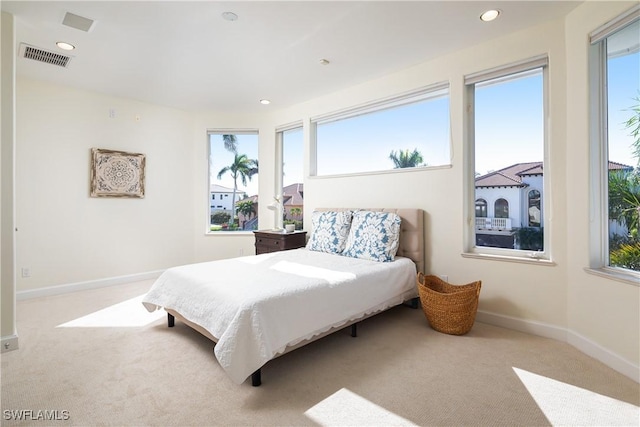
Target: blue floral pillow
(374, 236)
(329, 231)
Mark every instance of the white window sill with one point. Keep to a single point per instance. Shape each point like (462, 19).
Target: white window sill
(619, 275)
(229, 233)
(507, 258)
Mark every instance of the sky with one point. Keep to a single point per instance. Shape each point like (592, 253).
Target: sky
(509, 129)
(364, 143)
(624, 85)
(247, 144)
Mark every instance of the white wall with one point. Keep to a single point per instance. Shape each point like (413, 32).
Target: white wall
(604, 311)
(7, 193)
(64, 235)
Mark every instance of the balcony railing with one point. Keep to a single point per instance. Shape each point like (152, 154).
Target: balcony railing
(493, 223)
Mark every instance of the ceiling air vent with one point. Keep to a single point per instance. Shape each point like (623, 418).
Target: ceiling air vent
(37, 54)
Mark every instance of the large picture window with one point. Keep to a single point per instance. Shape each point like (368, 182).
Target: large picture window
(404, 132)
(615, 93)
(508, 141)
(233, 181)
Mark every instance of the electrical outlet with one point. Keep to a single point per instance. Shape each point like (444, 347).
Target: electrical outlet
(26, 272)
(9, 343)
(241, 252)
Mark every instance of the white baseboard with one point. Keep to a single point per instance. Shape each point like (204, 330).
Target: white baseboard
(83, 286)
(580, 342)
(9, 343)
(604, 355)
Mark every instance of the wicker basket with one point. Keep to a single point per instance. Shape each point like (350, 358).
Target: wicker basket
(448, 308)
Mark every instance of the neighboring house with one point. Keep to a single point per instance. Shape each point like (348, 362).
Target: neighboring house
(507, 199)
(293, 198)
(511, 198)
(221, 198)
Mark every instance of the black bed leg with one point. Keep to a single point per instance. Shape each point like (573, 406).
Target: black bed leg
(354, 330)
(171, 320)
(415, 303)
(256, 378)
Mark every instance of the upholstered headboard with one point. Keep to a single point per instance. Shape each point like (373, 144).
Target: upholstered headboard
(411, 231)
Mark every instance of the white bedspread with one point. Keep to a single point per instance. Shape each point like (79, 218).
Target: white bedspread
(258, 305)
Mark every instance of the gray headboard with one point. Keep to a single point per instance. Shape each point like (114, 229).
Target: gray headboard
(411, 231)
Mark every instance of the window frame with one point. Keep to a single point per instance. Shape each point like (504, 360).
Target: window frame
(598, 144)
(433, 91)
(481, 203)
(471, 250)
(502, 208)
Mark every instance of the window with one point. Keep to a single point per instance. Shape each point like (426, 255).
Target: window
(407, 131)
(289, 140)
(615, 143)
(233, 173)
(501, 208)
(481, 208)
(534, 208)
(507, 140)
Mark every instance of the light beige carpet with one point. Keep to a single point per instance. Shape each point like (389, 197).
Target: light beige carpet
(398, 371)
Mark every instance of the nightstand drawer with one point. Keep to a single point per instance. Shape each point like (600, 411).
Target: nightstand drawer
(272, 244)
(273, 241)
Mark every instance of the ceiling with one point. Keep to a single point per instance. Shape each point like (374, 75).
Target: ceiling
(185, 55)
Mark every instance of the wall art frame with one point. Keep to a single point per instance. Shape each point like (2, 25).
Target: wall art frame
(117, 173)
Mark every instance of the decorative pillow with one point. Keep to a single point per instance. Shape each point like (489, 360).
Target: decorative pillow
(329, 231)
(374, 236)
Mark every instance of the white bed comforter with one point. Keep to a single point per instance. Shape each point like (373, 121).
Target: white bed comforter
(258, 305)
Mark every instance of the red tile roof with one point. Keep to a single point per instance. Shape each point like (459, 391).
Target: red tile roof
(293, 195)
(619, 166)
(511, 176)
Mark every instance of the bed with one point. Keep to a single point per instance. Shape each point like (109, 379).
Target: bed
(256, 308)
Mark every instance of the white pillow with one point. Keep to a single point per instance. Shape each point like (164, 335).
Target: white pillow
(374, 236)
(329, 231)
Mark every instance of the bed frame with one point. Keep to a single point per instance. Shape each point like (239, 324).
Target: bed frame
(411, 246)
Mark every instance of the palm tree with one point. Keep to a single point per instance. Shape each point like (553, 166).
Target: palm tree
(633, 124)
(624, 199)
(296, 211)
(243, 168)
(406, 159)
(230, 143)
(247, 209)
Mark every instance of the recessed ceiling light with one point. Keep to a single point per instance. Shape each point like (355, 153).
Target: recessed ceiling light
(265, 102)
(490, 15)
(65, 46)
(324, 61)
(229, 16)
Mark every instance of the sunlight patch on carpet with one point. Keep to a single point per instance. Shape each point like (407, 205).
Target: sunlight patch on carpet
(564, 404)
(345, 408)
(126, 314)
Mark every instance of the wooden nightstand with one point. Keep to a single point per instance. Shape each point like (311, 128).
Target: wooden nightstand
(274, 241)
